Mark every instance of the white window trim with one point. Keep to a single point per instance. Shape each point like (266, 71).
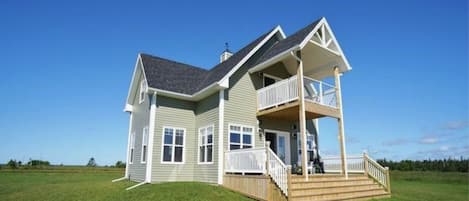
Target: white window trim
(241, 137)
(132, 148)
(142, 89)
(173, 150)
(199, 144)
(142, 159)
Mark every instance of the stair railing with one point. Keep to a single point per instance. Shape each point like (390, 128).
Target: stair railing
(377, 172)
(277, 170)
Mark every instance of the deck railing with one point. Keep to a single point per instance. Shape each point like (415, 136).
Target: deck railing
(286, 90)
(258, 160)
(377, 172)
(359, 164)
(245, 161)
(333, 164)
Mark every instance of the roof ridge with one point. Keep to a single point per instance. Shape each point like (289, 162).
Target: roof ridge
(174, 61)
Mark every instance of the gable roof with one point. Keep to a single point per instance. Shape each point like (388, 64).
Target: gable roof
(182, 78)
(288, 43)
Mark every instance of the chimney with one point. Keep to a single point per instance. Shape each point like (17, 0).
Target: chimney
(226, 54)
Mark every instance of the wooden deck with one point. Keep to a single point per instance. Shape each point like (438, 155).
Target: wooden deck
(259, 187)
(290, 111)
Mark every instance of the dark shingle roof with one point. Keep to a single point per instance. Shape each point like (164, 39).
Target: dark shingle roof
(187, 79)
(171, 75)
(183, 78)
(289, 42)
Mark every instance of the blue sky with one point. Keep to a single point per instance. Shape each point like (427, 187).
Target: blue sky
(66, 68)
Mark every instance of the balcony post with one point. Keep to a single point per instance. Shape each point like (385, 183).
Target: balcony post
(340, 121)
(302, 117)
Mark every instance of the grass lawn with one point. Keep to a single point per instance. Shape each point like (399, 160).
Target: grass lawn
(95, 184)
(429, 186)
(78, 183)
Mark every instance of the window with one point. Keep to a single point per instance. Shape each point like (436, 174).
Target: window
(241, 137)
(310, 146)
(132, 146)
(206, 144)
(143, 88)
(173, 145)
(144, 144)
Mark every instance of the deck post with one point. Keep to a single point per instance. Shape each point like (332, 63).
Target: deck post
(267, 147)
(388, 180)
(340, 121)
(365, 163)
(289, 180)
(302, 117)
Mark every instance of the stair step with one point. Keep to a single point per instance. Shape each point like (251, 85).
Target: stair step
(333, 189)
(327, 178)
(335, 183)
(341, 195)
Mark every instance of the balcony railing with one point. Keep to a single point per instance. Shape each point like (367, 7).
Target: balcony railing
(286, 91)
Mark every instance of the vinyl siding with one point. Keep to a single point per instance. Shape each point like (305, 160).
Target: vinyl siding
(206, 112)
(174, 113)
(140, 119)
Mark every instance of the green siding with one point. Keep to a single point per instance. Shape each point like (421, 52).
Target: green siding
(206, 112)
(174, 113)
(141, 113)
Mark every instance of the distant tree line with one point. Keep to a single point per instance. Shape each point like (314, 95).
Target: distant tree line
(15, 164)
(442, 165)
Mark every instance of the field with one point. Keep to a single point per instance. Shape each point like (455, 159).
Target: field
(78, 183)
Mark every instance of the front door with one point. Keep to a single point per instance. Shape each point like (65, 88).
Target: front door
(283, 147)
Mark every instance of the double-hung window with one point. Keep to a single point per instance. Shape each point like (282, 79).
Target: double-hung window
(173, 145)
(143, 88)
(206, 144)
(144, 144)
(241, 137)
(132, 147)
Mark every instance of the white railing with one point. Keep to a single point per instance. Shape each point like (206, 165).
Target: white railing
(286, 91)
(377, 172)
(333, 164)
(278, 171)
(254, 161)
(281, 92)
(245, 161)
(320, 92)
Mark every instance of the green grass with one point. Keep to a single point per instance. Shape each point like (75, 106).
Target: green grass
(79, 183)
(429, 186)
(95, 184)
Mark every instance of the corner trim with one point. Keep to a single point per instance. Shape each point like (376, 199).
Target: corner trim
(151, 134)
(128, 146)
(221, 152)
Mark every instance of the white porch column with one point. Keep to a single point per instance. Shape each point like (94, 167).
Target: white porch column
(340, 121)
(151, 134)
(221, 153)
(302, 117)
(128, 146)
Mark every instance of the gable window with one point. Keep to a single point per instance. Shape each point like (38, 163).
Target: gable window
(132, 147)
(143, 88)
(173, 145)
(206, 144)
(310, 145)
(241, 137)
(144, 144)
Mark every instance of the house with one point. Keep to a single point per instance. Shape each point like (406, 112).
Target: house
(244, 123)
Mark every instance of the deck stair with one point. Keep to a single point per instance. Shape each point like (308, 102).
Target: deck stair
(331, 187)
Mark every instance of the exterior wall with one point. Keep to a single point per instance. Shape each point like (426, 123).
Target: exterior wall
(206, 113)
(174, 113)
(278, 70)
(141, 113)
(240, 104)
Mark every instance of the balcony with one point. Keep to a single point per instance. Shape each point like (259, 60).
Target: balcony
(280, 100)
